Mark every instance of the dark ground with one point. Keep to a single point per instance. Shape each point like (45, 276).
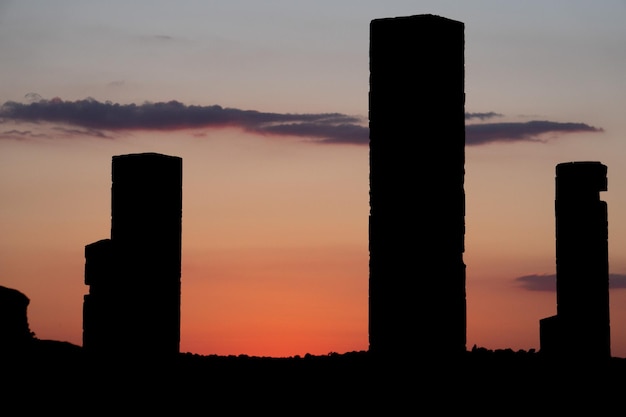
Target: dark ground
(56, 377)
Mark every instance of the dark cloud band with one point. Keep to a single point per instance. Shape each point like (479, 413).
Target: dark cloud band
(173, 115)
(96, 118)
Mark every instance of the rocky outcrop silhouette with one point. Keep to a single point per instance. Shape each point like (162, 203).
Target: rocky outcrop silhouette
(14, 330)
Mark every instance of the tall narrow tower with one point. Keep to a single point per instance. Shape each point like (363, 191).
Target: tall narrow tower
(417, 201)
(135, 276)
(581, 326)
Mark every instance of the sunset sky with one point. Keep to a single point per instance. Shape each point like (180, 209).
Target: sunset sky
(267, 103)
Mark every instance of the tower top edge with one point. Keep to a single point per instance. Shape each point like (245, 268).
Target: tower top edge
(581, 166)
(146, 155)
(417, 18)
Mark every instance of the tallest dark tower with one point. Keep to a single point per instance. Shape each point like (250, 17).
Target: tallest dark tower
(417, 201)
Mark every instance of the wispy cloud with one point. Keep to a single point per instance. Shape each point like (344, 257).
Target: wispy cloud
(21, 134)
(482, 116)
(98, 119)
(532, 131)
(116, 84)
(547, 282)
(74, 132)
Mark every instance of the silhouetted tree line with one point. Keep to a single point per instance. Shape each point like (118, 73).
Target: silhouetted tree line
(481, 380)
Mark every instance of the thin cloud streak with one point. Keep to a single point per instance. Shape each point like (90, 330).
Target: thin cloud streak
(482, 116)
(98, 119)
(15, 134)
(480, 134)
(547, 282)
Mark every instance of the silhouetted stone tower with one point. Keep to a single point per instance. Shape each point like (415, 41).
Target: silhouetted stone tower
(581, 326)
(417, 202)
(133, 303)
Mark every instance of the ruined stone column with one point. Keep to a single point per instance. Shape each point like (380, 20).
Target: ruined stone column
(417, 202)
(135, 276)
(581, 327)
